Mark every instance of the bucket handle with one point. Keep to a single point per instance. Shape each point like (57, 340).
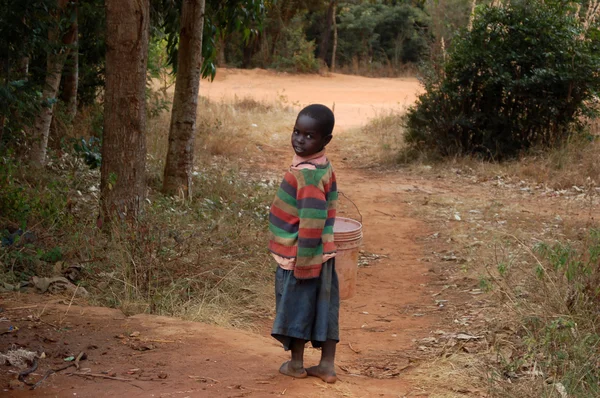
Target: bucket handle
(357, 209)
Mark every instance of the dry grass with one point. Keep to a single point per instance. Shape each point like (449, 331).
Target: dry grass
(205, 260)
(202, 260)
(457, 375)
(577, 163)
(228, 129)
(531, 250)
(378, 143)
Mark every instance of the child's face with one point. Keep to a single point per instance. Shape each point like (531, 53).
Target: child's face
(306, 137)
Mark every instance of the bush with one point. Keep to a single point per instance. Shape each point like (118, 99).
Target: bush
(523, 77)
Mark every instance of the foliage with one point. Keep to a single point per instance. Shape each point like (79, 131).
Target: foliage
(158, 72)
(90, 151)
(221, 19)
(522, 78)
(92, 50)
(447, 19)
(377, 32)
(23, 28)
(22, 203)
(293, 52)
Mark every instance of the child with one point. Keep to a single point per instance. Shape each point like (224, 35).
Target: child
(301, 224)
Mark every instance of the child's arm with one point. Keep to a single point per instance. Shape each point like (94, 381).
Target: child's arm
(312, 212)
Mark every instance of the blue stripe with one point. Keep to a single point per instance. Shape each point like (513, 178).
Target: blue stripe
(309, 242)
(279, 223)
(287, 188)
(330, 222)
(312, 203)
(333, 187)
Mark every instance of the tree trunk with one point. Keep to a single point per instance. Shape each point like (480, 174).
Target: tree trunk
(54, 65)
(221, 54)
(122, 181)
(23, 68)
(472, 15)
(324, 44)
(335, 39)
(71, 73)
(180, 155)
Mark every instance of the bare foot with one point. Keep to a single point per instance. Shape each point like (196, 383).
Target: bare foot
(323, 373)
(288, 369)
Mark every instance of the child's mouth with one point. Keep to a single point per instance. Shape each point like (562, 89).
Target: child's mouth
(298, 149)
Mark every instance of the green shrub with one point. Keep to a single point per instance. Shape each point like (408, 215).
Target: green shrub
(521, 78)
(294, 53)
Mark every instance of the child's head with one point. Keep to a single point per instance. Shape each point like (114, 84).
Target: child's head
(312, 131)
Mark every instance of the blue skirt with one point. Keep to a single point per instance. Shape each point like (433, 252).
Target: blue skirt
(307, 309)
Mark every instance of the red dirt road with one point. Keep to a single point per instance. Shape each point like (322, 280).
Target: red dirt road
(189, 359)
(356, 99)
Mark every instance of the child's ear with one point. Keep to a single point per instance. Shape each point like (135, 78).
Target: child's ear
(327, 140)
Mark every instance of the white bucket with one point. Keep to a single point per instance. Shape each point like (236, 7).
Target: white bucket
(347, 235)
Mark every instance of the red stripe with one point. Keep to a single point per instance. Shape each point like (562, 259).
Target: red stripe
(329, 247)
(310, 232)
(312, 271)
(310, 191)
(284, 216)
(331, 213)
(327, 185)
(289, 177)
(282, 250)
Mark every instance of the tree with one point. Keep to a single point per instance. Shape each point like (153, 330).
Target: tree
(122, 181)
(23, 29)
(335, 38)
(326, 34)
(376, 33)
(59, 48)
(523, 77)
(196, 38)
(71, 71)
(180, 154)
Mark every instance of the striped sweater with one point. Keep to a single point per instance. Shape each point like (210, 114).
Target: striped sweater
(302, 217)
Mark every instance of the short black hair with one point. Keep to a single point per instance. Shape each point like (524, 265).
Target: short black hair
(323, 115)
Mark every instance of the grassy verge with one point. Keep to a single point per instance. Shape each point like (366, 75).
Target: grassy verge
(516, 254)
(203, 259)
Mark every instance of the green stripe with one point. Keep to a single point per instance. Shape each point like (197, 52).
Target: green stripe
(281, 233)
(333, 195)
(307, 252)
(313, 213)
(313, 177)
(287, 198)
(328, 230)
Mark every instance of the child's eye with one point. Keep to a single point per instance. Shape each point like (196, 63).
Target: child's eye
(295, 132)
(308, 136)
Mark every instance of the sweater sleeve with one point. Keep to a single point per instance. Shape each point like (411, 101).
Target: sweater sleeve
(312, 213)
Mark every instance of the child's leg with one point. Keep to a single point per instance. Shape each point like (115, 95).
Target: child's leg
(295, 367)
(326, 368)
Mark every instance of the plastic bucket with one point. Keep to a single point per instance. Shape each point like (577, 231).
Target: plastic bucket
(347, 235)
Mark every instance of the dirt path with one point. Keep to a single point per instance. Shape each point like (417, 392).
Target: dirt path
(173, 358)
(355, 99)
